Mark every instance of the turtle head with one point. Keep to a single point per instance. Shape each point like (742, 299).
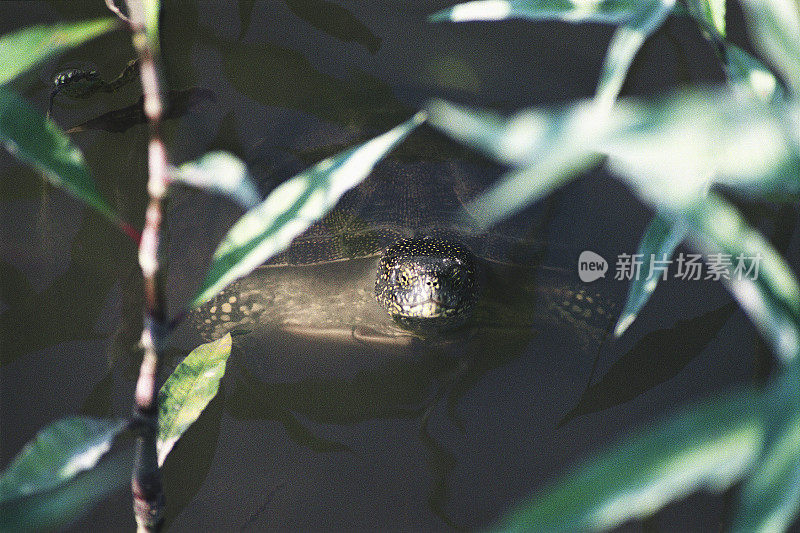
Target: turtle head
(427, 284)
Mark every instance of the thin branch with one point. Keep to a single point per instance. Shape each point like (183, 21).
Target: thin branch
(146, 484)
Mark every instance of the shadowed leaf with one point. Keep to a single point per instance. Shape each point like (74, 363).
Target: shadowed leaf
(656, 358)
(293, 206)
(57, 454)
(22, 50)
(188, 390)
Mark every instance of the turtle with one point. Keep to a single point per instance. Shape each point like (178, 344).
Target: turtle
(410, 219)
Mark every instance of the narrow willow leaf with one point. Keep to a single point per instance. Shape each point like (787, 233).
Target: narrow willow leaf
(548, 146)
(292, 207)
(40, 143)
(774, 27)
(625, 44)
(189, 389)
(672, 149)
(710, 446)
(770, 497)
(57, 454)
(22, 50)
(710, 14)
(660, 239)
(223, 173)
(57, 508)
(748, 73)
(759, 277)
(605, 11)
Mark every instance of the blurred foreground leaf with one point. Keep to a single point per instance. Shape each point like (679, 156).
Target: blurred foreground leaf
(658, 243)
(637, 20)
(292, 207)
(625, 44)
(22, 50)
(188, 390)
(759, 277)
(548, 146)
(770, 496)
(710, 13)
(220, 172)
(745, 71)
(709, 446)
(40, 143)
(58, 453)
(774, 27)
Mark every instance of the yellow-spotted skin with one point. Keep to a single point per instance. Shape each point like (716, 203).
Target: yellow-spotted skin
(427, 284)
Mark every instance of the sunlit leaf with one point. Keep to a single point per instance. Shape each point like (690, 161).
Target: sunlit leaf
(22, 50)
(709, 446)
(748, 73)
(40, 143)
(625, 43)
(673, 149)
(759, 277)
(770, 496)
(774, 27)
(57, 454)
(189, 389)
(292, 207)
(549, 147)
(710, 13)
(656, 247)
(223, 173)
(607, 11)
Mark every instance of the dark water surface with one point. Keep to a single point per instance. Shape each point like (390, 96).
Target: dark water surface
(319, 432)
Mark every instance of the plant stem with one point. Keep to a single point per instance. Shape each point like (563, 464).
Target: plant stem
(146, 485)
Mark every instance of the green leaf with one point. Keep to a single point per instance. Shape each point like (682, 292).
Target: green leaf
(605, 11)
(40, 143)
(625, 44)
(292, 207)
(22, 50)
(710, 14)
(659, 242)
(189, 389)
(774, 27)
(549, 147)
(671, 150)
(711, 445)
(55, 509)
(765, 287)
(223, 173)
(57, 454)
(748, 73)
(770, 496)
